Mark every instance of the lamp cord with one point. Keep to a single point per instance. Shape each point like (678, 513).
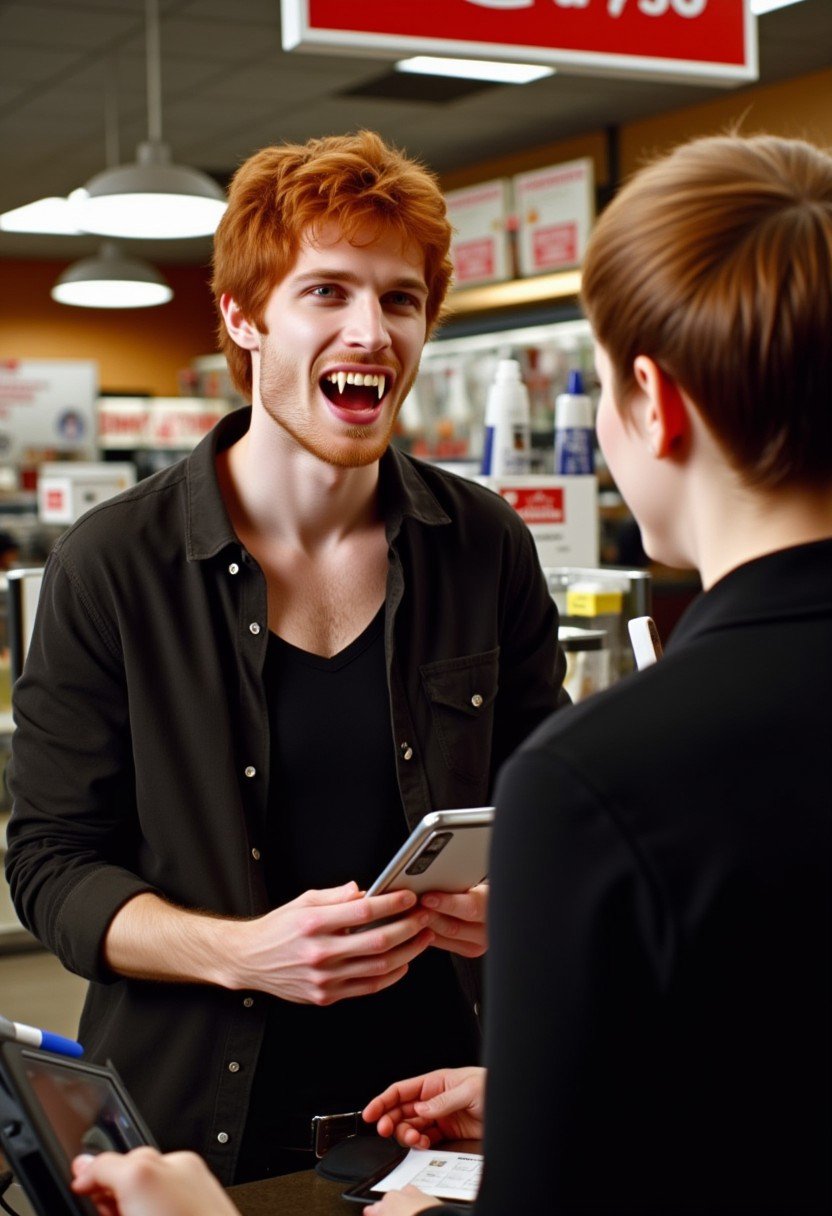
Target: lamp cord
(154, 73)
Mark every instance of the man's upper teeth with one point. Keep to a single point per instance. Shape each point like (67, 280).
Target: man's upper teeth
(370, 380)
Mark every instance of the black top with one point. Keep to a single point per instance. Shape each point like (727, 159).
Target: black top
(666, 845)
(142, 709)
(334, 814)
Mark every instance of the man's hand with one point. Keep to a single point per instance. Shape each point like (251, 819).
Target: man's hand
(304, 951)
(447, 1104)
(458, 921)
(145, 1183)
(403, 1203)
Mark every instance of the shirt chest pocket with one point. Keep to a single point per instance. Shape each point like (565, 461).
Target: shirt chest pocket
(462, 693)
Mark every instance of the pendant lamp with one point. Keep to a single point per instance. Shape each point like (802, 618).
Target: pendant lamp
(153, 198)
(110, 279)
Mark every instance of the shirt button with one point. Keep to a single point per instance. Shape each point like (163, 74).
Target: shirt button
(222, 1137)
(233, 568)
(254, 628)
(255, 854)
(476, 700)
(250, 771)
(406, 750)
(248, 1001)
(233, 1066)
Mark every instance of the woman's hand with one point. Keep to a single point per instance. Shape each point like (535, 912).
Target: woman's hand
(146, 1183)
(447, 1104)
(459, 921)
(403, 1203)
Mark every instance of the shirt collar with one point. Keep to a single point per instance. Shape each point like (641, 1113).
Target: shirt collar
(402, 490)
(208, 528)
(785, 584)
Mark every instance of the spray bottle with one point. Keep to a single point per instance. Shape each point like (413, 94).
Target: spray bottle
(507, 447)
(573, 429)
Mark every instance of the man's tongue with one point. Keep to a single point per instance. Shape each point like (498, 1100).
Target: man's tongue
(354, 396)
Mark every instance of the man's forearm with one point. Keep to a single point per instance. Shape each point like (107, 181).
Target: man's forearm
(151, 939)
(302, 951)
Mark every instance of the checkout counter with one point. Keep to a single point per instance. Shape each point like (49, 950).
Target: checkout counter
(307, 1193)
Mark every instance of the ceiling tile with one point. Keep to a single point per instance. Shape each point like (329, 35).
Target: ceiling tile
(74, 26)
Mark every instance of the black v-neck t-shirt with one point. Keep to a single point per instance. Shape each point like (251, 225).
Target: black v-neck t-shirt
(335, 814)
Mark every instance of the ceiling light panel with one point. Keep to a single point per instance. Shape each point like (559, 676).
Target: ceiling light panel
(475, 69)
(758, 7)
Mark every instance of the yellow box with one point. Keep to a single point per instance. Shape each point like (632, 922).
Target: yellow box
(593, 603)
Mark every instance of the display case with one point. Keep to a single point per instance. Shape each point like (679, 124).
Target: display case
(444, 416)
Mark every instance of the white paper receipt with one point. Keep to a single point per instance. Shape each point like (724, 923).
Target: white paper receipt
(443, 1175)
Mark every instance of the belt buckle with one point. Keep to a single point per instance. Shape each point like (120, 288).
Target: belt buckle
(329, 1130)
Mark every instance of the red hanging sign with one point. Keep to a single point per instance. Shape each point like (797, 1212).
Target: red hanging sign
(708, 41)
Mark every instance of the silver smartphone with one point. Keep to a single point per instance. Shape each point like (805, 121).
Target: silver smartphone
(447, 851)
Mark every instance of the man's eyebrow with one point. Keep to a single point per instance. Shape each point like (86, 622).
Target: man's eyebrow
(346, 276)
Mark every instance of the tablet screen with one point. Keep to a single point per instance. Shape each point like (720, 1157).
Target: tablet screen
(83, 1109)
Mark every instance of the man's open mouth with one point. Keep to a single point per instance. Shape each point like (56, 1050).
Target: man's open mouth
(355, 390)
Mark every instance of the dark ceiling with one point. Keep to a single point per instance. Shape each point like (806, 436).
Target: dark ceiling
(229, 89)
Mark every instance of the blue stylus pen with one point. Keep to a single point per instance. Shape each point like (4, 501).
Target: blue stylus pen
(30, 1036)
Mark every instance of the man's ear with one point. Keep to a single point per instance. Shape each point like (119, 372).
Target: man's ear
(240, 329)
(665, 416)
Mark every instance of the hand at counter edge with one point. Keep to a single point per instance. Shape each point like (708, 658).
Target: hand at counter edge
(145, 1182)
(407, 1202)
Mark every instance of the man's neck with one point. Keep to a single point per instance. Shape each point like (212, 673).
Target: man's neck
(278, 493)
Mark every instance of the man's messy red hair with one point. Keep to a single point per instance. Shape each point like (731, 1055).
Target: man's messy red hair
(282, 193)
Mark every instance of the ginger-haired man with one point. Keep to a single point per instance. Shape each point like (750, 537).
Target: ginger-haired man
(252, 673)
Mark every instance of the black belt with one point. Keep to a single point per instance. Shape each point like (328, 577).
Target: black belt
(315, 1133)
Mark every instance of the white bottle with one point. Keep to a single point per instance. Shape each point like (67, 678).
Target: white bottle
(574, 430)
(411, 417)
(457, 418)
(507, 448)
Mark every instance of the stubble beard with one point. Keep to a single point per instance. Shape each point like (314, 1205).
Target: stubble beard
(278, 387)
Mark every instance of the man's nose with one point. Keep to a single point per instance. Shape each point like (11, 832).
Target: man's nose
(366, 324)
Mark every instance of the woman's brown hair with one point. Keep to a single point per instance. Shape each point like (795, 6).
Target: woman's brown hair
(716, 261)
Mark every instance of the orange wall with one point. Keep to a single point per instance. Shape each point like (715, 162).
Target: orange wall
(138, 350)
(798, 109)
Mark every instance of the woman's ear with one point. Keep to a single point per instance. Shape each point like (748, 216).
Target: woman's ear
(240, 329)
(665, 413)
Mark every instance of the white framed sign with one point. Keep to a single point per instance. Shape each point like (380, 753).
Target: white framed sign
(480, 246)
(47, 405)
(555, 211)
(702, 41)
